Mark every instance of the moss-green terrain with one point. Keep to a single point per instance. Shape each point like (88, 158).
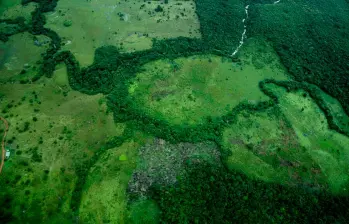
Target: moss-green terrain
(105, 198)
(130, 25)
(13, 9)
(188, 90)
(46, 144)
(174, 111)
(290, 143)
(19, 56)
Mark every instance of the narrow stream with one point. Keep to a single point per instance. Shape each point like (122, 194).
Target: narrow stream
(243, 36)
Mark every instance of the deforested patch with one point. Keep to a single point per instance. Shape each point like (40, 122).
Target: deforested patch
(161, 163)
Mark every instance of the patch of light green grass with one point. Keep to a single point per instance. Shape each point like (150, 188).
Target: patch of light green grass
(328, 148)
(130, 25)
(60, 77)
(105, 198)
(255, 140)
(187, 90)
(68, 130)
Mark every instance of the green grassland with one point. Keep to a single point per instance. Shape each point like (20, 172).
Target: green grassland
(19, 55)
(129, 25)
(13, 9)
(290, 143)
(329, 149)
(104, 199)
(188, 90)
(128, 169)
(52, 130)
(254, 140)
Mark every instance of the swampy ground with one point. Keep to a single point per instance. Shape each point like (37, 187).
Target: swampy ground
(140, 111)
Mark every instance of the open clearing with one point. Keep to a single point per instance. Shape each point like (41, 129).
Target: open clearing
(290, 144)
(13, 9)
(188, 90)
(20, 54)
(104, 198)
(52, 130)
(131, 25)
(329, 149)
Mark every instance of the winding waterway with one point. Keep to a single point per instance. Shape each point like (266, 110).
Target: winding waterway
(243, 36)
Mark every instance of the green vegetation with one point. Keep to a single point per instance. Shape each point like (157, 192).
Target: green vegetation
(40, 150)
(312, 44)
(104, 193)
(144, 211)
(128, 25)
(327, 148)
(19, 57)
(289, 144)
(178, 90)
(233, 197)
(18, 27)
(67, 23)
(159, 9)
(220, 23)
(180, 120)
(161, 163)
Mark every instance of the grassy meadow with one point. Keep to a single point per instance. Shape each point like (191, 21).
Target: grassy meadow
(52, 130)
(188, 90)
(129, 25)
(19, 56)
(290, 143)
(13, 9)
(105, 198)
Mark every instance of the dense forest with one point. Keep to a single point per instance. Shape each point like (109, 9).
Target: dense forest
(314, 49)
(234, 197)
